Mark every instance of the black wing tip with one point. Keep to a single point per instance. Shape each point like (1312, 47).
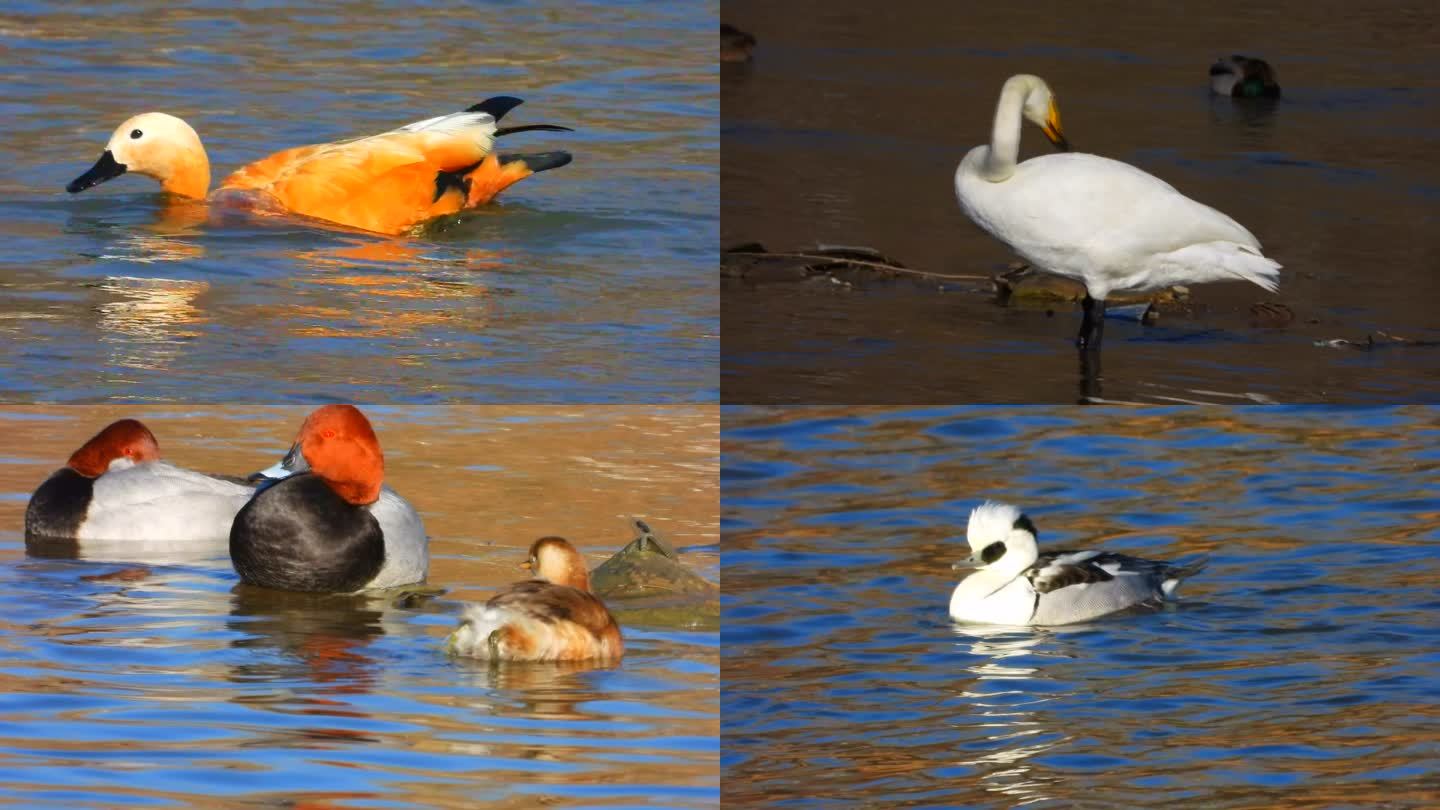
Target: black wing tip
(1190, 568)
(503, 131)
(497, 106)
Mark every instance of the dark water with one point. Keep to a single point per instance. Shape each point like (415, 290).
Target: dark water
(849, 123)
(168, 685)
(594, 282)
(1298, 670)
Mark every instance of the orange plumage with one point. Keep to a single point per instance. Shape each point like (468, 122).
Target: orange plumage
(387, 183)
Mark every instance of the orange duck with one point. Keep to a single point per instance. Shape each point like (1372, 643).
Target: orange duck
(387, 183)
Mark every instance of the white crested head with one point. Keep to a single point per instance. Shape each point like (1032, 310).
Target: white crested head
(1002, 537)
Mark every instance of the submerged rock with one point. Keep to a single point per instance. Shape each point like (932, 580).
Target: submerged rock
(1023, 285)
(645, 583)
(1271, 315)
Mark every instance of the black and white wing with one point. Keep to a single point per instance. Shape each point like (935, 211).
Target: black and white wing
(1073, 586)
(1054, 570)
(1061, 569)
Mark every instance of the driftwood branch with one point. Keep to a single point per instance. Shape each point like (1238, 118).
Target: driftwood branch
(820, 257)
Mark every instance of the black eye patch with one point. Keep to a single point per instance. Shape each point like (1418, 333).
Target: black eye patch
(135, 133)
(992, 552)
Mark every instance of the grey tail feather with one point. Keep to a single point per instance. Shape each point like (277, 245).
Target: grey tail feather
(539, 161)
(1178, 574)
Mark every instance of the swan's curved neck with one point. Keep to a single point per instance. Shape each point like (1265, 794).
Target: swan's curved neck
(1005, 135)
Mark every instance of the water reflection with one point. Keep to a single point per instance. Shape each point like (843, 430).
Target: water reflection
(552, 690)
(148, 321)
(152, 324)
(1254, 117)
(1005, 715)
(144, 248)
(145, 552)
(144, 228)
(320, 639)
(994, 644)
(371, 252)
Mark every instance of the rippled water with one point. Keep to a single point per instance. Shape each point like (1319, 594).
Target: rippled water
(168, 684)
(1299, 669)
(592, 282)
(848, 125)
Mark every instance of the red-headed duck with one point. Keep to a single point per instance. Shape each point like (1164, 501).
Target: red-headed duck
(118, 499)
(553, 617)
(328, 524)
(387, 183)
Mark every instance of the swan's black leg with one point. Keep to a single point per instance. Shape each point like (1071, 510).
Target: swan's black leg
(1092, 328)
(1090, 388)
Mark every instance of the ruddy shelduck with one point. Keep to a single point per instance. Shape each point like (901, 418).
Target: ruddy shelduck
(328, 524)
(387, 183)
(553, 617)
(118, 500)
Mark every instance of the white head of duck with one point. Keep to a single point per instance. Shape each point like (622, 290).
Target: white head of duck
(1002, 539)
(157, 145)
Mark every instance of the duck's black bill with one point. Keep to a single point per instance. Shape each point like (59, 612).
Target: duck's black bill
(104, 169)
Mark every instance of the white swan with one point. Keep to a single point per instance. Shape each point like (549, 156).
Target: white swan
(1102, 222)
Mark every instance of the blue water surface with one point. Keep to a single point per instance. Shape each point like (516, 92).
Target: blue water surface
(1298, 668)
